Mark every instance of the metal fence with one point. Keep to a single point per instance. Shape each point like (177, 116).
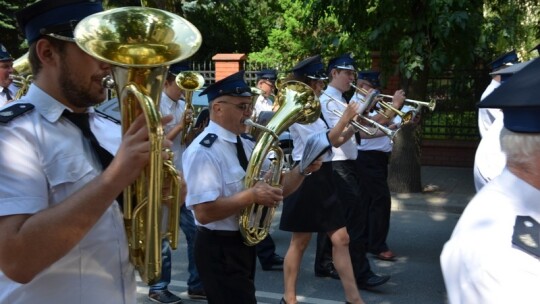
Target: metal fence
(457, 92)
(456, 117)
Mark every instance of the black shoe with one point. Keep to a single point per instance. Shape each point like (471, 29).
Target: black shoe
(372, 280)
(328, 271)
(274, 263)
(196, 294)
(163, 296)
(282, 301)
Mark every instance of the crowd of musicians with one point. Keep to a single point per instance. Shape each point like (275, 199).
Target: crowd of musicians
(64, 166)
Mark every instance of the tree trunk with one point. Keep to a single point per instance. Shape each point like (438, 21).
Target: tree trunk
(404, 166)
(404, 169)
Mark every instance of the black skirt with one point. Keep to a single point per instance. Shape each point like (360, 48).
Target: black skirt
(314, 206)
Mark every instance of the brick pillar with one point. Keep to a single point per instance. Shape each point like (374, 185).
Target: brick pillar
(227, 64)
(390, 83)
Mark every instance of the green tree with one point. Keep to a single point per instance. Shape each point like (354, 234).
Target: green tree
(10, 35)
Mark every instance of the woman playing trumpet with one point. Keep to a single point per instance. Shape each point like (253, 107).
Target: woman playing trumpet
(314, 206)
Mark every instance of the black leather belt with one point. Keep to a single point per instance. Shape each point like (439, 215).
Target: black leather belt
(227, 233)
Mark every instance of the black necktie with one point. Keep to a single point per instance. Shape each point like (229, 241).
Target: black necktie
(8, 95)
(81, 121)
(240, 153)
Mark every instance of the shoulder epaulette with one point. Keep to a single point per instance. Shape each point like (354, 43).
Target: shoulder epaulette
(9, 113)
(247, 136)
(208, 140)
(525, 236)
(106, 116)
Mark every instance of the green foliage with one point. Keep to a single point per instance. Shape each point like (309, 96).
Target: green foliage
(301, 34)
(11, 37)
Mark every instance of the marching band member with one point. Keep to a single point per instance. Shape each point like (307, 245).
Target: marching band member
(345, 173)
(372, 161)
(492, 255)
(63, 238)
(314, 207)
(215, 166)
(9, 90)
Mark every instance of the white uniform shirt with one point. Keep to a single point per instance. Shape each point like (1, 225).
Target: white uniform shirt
(262, 104)
(489, 160)
(301, 132)
(212, 172)
(169, 107)
(479, 262)
(348, 150)
(13, 89)
(487, 116)
(43, 161)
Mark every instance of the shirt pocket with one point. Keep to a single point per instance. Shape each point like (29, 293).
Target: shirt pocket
(69, 173)
(234, 181)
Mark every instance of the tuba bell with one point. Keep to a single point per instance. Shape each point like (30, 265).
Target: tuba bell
(300, 105)
(140, 44)
(189, 82)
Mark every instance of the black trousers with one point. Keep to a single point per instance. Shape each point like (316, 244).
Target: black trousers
(266, 250)
(226, 266)
(373, 173)
(346, 179)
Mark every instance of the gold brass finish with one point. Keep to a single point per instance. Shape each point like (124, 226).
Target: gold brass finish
(189, 82)
(300, 105)
(140, 44)
(22, 76)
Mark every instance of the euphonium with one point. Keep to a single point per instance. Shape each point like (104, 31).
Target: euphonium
(22, 76)
(140, 44)
(300, 105)
(189, 82)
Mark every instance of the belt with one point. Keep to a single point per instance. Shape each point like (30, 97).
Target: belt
(226, 233)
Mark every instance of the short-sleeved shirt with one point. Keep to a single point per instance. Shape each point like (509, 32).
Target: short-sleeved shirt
(13, 89)
(489, 160)
(263, 104)
(480, 263)
(44, 159)
(487, 116)
(169, 107)
(348, 150)
(301, 132)
(214, 171)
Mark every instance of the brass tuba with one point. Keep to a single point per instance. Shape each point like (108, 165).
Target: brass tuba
(22, 75)
(140, 44)
(189, 82)
(300, 105)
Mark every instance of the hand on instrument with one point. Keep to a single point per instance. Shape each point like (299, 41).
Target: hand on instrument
(398, 99)
(134, 151)
(267, 195)
(351, 111)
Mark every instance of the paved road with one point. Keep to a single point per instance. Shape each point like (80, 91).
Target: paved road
(420, 225)
(417, 236)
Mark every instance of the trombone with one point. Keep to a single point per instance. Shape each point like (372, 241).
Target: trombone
(379, 98)
(356, 125)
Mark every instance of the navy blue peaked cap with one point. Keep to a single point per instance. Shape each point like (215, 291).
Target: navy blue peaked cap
(4, 54)
(54, 17)
(267, 74)
(370, 76)
(504, 60)
(518, 99)
(344, 62)
(179, 67)
(232, 85)
(311, 67)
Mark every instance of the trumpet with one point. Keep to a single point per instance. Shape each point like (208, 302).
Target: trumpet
(359, 127)
(376, 97)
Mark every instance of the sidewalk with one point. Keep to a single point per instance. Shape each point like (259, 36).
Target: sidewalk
(446, 189)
